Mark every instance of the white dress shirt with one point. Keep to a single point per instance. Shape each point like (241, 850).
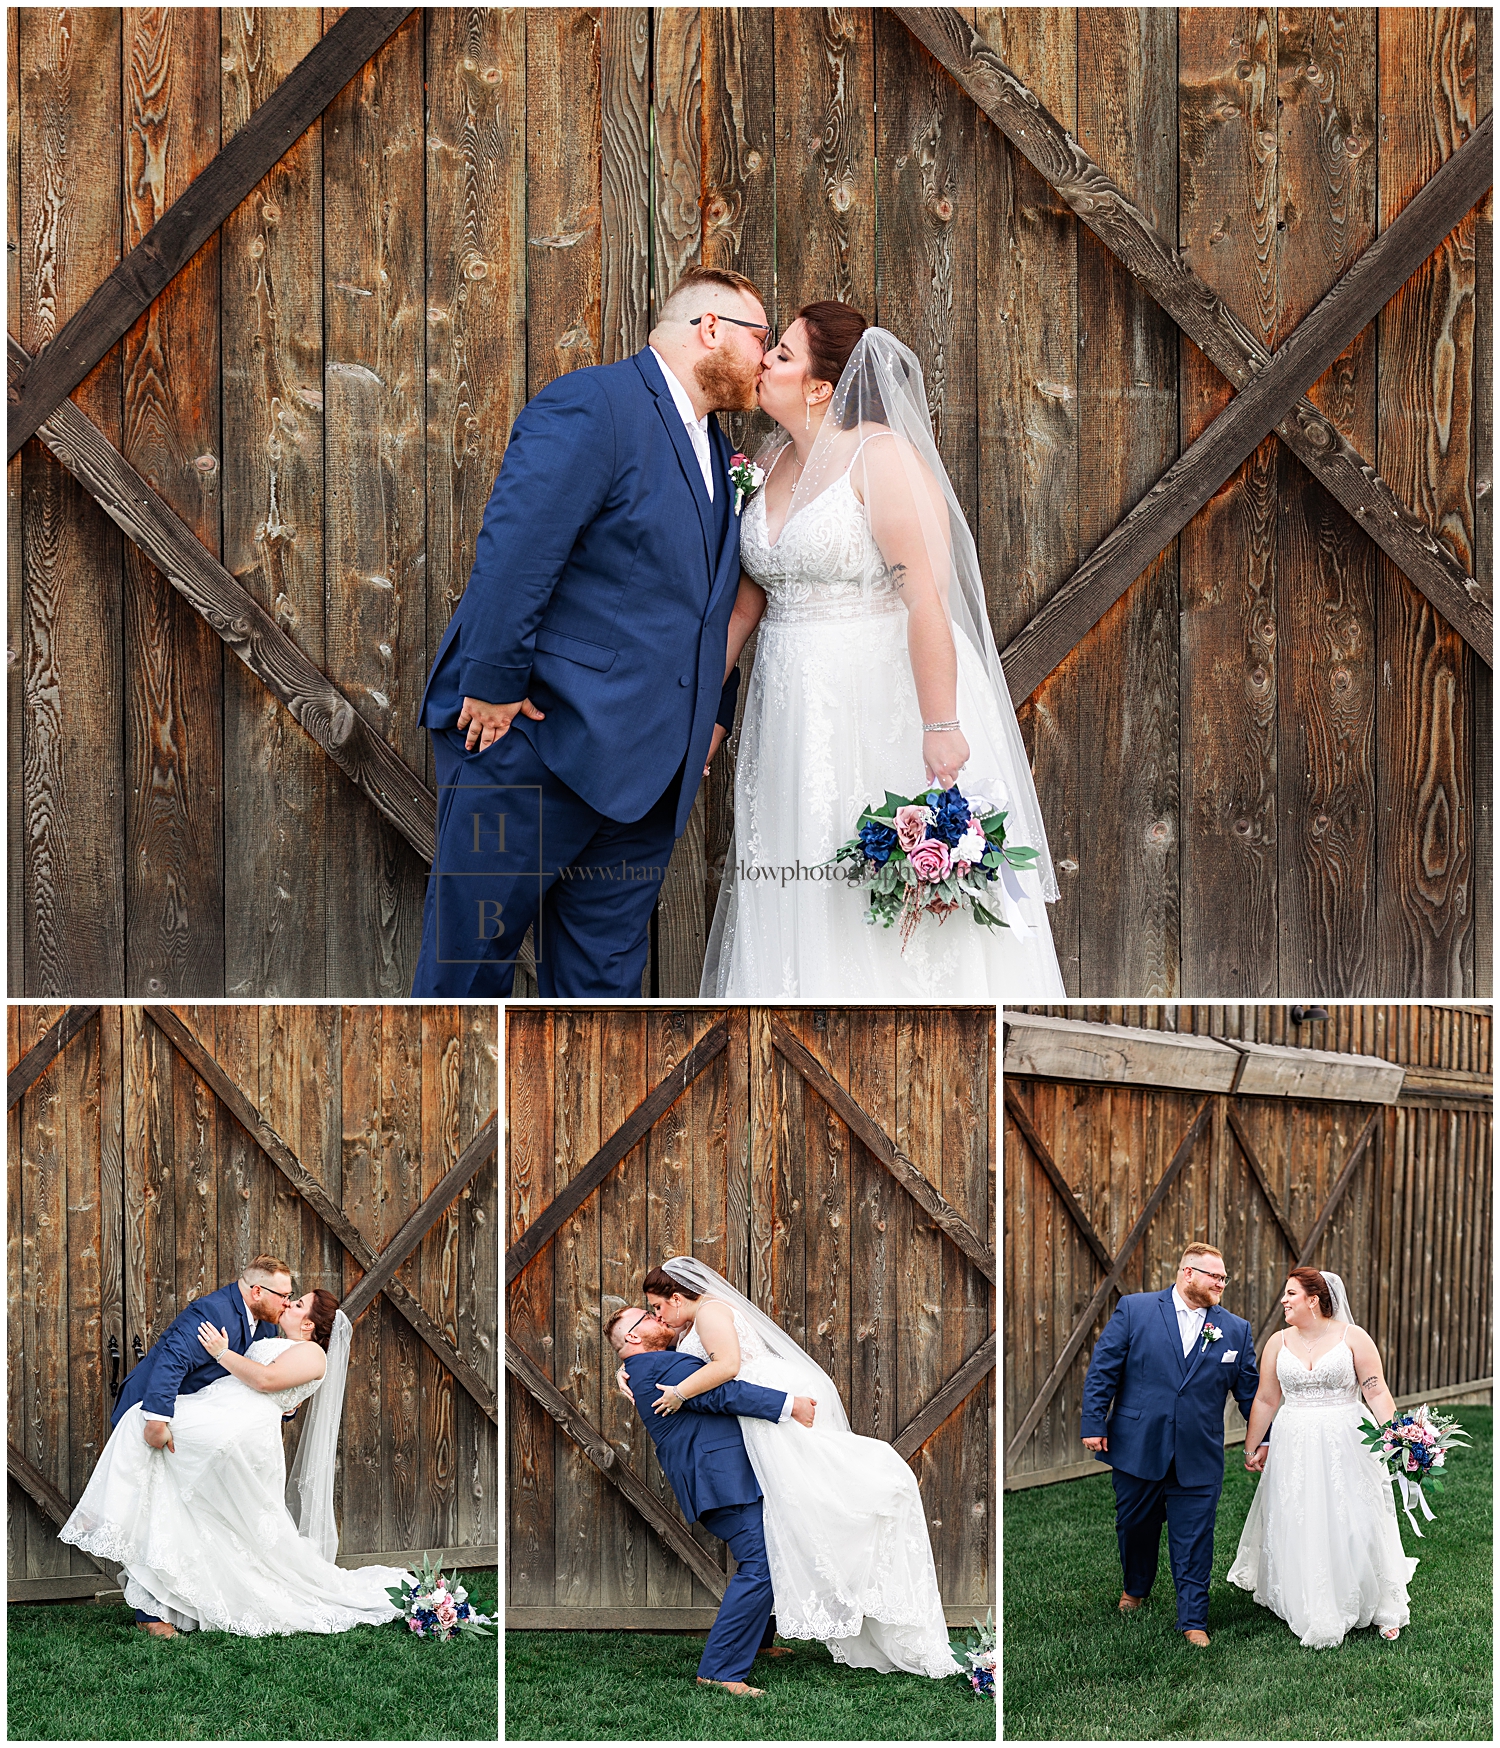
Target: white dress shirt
(1189, 1320)
(697, 429)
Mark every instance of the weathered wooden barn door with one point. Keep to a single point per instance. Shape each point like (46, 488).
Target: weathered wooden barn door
(1365, 1149)
(836, 1165)
(157, 1150)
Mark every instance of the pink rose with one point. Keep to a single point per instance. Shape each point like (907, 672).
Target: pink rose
(930, 859)
(911, 826)
(737, 458)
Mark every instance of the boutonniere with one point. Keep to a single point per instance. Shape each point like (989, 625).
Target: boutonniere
(1211, 1332)
(747, 478)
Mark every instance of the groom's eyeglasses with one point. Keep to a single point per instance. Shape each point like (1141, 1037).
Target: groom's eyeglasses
(1222, 1280)
(754, 327)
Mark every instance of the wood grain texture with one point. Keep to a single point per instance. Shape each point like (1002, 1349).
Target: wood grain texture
(15, 865)
(1482, 697)
(275, 786)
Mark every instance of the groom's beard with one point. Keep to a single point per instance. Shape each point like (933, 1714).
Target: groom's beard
(728, 382)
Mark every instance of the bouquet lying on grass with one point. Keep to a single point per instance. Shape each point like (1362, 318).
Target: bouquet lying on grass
(437, 1607)
(976, 1651)
(1414, 1444)
(936, 854)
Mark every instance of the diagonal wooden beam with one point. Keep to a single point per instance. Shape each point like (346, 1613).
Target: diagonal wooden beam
(1064, 1189)
(198, 212)
(247, 1115)
(1258, 1172)
(1075, 608)
(1218, 333)
(879, 1145)
(922, 1426)
(1330, 1208)
(1095, 1305)
(607, 1460)
(49, 1499)
(41, 1055)
(318, 705)
(636, 1126)
(479, 1152)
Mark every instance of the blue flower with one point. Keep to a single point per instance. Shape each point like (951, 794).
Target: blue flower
(878, 840)
(950, 814)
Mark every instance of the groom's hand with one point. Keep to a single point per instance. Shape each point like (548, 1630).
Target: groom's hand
(802, 1409)
(1096, 1444)
(486, 723)
(720, 735)
(159, 1436)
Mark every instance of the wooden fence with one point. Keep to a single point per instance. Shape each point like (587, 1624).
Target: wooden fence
(836, 1166)
(1360, 1142)
(1254, 666)
(153, 1151)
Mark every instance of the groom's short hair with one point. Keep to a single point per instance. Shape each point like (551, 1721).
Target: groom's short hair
(686, 298)
(1200, 1250)
(261, 1270)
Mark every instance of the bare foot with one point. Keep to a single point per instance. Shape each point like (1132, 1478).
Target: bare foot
(158, 1629)
(1390, 1632)
(1196, 1636)
(1128, 1604)
(741, 1688)
(776, 1651)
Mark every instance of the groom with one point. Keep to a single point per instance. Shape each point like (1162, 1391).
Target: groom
(1167, 1361)
(579, 689)
(176, 1364)
(702, 1454)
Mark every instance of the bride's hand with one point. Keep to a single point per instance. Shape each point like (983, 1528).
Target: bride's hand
(945, 752)
(1255, 1461)
(622, 1378)
(215, 1341)
(668, 1402)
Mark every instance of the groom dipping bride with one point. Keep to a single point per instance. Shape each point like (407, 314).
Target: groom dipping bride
(1321, 1546)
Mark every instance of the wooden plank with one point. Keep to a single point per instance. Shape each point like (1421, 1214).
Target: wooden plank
(1459, 1086)
(1482, 453)
(174, 850)
(1227, 225)
(86, 1589)
(401, 1420)
(479, 1153)
(1258, 1172)
(1086, 1322)
(271, 288)
(874, 1288)
(1423, 735)
(923, 1425)
(1273, 1070)
(640, 1122)
(197, 213)
(529, 1157)
(1130, 824)
(361, 1166)
(602, 1455)
(111, 1202)
(625, 180)
(476, 1288)
(1141, 245)
(15, 1354)
(56, 1506)
(15, 563)
(1326, 173)
(465, 1556)
(655, 1620)
(826, 1151)
(1043, 1157)
(193, 1184)
(317, 704)
(375, 517)
(69, 631)
(44, 1052)
(879, 1144)
(1029, 360)
(276, 1150)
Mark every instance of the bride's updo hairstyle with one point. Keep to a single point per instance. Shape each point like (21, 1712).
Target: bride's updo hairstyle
(662, 1284)
(323, 1307)
(1313, 1284)
(833, 331)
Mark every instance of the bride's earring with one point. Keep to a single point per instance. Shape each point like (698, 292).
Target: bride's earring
(807, 422)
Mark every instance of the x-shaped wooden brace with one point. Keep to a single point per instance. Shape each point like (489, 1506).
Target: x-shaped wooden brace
(1271, 391)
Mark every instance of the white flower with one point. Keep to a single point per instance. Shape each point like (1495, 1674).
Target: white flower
(971, 846)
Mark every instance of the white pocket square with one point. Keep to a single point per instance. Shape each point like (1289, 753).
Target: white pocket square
(1233, 1354)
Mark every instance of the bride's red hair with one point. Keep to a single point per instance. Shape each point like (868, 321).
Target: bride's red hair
(1312, 1282)
(323, 1307)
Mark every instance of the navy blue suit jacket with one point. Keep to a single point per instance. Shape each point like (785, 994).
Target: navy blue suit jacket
(1166, 1405)
(700, 1447)
(177, 1364)
(602, 586)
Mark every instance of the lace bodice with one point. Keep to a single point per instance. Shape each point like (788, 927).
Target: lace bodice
(825, 563)
(271, 1347)
(1330, 1384)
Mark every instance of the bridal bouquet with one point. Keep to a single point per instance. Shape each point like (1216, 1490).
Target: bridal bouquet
(935, 854)
(438, 1608)
(1413, 1445)
(977, 1651)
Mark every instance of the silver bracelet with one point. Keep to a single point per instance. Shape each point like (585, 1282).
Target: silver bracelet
(937, 727)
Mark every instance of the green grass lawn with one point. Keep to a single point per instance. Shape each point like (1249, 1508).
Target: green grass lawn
(642, 1687)
(83, 1673)
(1074, 1668)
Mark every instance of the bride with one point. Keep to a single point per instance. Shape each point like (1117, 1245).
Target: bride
(875, 670)
(1321, 1546)
(202, 1527)
(846, 1536)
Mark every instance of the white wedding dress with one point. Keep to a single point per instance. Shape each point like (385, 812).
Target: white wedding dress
(846, 1535)
(203, 1531)
(1322, 1545)
(831, 723)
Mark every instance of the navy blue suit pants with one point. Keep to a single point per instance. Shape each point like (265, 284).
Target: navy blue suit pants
(516, 847)
(739, 1628)
(1141, 1508)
